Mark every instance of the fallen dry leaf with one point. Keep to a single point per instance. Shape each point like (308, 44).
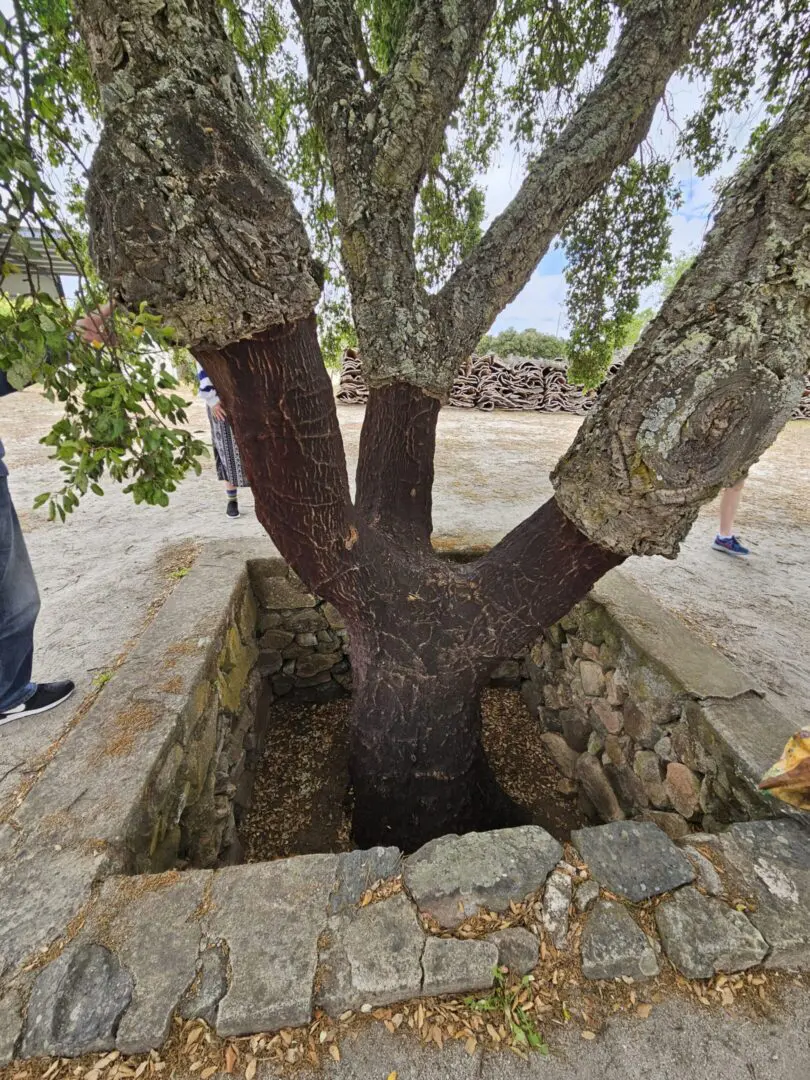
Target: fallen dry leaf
(644, 1011)
(335, 1053)
(471, 1046)
(250, 1071)
(230, 1058)
(393, 1075)
(589, 1035)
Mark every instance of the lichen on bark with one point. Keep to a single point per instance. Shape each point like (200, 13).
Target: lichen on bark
(716, 376)
(185, 211)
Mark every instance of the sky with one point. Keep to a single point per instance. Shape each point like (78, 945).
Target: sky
(541, 304)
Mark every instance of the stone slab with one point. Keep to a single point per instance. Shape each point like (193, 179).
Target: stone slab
(273, 952)
(662, 636)
(633, 858)
(39, 896)
(771, 860)
(11, 1024)
(586, 895)
(210, 985)
(153, 925)
(371, 957)
(452, 966)
(707, 877)
(77, 1002)
(703, 936)
(454, 877)
(614, 946)
(357, 871)
(518, 949)
(556, 901)
(747, 735)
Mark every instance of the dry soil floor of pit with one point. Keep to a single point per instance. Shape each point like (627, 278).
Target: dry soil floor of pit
(99, 573)
(300, 802)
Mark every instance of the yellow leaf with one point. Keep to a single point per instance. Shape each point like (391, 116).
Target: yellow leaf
(335, 1053)
(644, 1011)
(393, 1075)
(588, 1035)
(470, 1046)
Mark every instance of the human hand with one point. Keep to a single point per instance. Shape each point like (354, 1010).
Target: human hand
(96, 328)
(219, 412)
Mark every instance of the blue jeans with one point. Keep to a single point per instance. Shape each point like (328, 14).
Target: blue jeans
(19, 607)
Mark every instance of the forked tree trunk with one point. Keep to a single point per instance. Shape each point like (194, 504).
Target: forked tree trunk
(424, 632)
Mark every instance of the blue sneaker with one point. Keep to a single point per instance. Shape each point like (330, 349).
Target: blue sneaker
(730, 545)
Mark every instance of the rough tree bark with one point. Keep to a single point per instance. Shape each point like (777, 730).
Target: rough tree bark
(187, 214)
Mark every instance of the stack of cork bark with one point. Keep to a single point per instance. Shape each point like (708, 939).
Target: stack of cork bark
(513, 382)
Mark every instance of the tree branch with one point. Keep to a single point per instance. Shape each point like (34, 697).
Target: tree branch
(187, 214)
(716, 375)
(603, 133)
(704, 393)
(220, 250)
(422, 89)
(279, 399)
(531, 579)
(339, 101)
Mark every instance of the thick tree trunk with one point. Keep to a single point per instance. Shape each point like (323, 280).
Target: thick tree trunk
(417, 763)
(395, 465)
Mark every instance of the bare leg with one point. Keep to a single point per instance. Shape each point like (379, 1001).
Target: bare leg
(728, 507)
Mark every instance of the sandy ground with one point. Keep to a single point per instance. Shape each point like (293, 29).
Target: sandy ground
(99, 572)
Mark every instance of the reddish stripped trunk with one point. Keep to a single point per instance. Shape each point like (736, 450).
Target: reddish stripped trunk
(425, 632)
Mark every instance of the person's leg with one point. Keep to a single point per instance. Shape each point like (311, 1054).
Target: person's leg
(232, 495)
(725, 540)
(19, 607)
(729, 502)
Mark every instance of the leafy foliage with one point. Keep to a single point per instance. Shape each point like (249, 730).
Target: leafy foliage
(750, 51)
(603, 293)
(670, 277)
(505, 1001)
(120, 408)
(513, 342)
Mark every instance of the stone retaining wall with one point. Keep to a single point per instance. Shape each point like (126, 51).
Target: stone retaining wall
(647, 719)
(261, 947)
(302, 640)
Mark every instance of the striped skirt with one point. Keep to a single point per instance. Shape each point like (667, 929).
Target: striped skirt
(226, 453)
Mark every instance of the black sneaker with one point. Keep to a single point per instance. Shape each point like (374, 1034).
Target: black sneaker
(232, 509)
(46, 696)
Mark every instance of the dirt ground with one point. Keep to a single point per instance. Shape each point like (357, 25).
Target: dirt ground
(301, 802)
(99, 573)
